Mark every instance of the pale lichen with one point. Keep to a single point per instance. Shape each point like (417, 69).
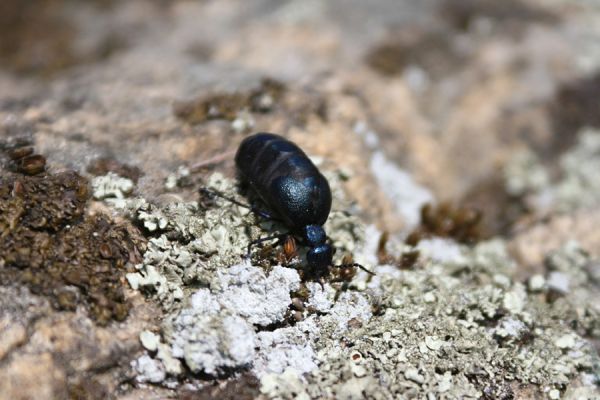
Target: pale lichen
(465, 340)
(455, 325)
(575, 185)
(111, 185)
(407, 195)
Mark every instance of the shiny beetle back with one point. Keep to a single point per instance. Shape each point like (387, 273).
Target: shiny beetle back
(286, 180)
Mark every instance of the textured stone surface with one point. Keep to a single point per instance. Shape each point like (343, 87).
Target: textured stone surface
(482, 104)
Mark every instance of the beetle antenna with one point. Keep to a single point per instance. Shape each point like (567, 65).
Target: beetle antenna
(363, 268)
(355, 265)
(215, 193)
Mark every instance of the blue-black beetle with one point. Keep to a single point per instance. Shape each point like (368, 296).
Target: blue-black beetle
(290, 184)
(293, 188)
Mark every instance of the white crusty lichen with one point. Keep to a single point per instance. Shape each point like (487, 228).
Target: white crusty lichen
(575, 186)
(191, 243)
(174, 179)
(148, 369)
(211, 343)
(217, 331)
(218, 327)
(111, 185)
(456, 325)
(260, 299)
(290, 381)
(434, 344)
(284, 349)
(149, 340)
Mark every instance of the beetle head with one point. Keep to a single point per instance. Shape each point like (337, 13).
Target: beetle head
(320, 254)
(319, 257)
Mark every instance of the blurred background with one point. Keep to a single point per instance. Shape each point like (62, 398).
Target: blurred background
(477, 107)
(453, 93)
(449, 87)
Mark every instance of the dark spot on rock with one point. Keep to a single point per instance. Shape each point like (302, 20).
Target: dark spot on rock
(86, 388)
(20, 152)
(213, 106)
(66, 299)
(408, 259)
(264, 98)
(462, 224)
(500, 211)
(435, 48)
(461, 14)
(415, 46)
(40, 38)
(269, 96)
(382, 254)
(302, 293)
(298, 304)
(201, 51)
(22, 157)
(378, 308)
(104, 165)
(73, 101)
(105, 250)
(11, 104)
(245, 387)
(574, 106)
(48, 244)
(355, 323)
(497, 391)
(18, 139)
(32, 165)
(227, 106)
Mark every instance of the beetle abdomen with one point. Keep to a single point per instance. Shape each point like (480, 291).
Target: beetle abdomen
(285, 178)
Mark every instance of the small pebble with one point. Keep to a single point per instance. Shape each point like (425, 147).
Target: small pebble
(149, 340)
(433, 343)
(559, 281)
(429, 297)
(32, 165)
(567, 341)
(20, 152)
(554, 394)
(536, 283)
(413, 375)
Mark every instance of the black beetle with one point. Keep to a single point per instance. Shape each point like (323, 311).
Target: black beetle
(294, 189)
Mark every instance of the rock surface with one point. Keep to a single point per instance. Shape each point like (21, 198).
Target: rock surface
(118, 280)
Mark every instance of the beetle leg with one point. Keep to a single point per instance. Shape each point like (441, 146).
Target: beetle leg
(363, 268)
(355, 265)
(343, 288)
(261, 213)
(265, 239)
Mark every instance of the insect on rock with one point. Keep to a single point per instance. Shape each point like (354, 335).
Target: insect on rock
(297, 194)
